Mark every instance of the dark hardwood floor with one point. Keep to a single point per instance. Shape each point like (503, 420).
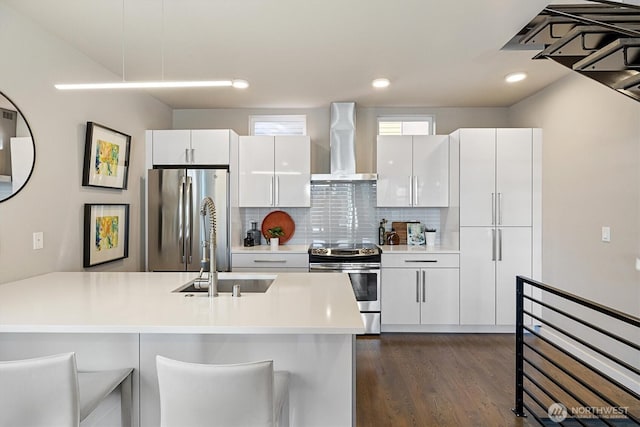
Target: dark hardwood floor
(436, 380)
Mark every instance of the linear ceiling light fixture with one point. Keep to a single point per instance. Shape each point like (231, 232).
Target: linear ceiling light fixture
(236, 83)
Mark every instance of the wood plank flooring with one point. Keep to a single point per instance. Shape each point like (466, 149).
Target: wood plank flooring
(436, 380)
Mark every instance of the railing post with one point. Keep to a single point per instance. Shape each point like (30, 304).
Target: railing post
(519, 408)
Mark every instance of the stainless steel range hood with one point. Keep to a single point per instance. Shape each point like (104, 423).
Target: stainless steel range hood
(342, 141)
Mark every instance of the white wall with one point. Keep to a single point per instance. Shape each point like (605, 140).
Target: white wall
(318, 121)
(52, 201)
(591, 178)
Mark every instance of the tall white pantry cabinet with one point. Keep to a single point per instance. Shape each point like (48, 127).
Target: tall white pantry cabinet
(500, 219)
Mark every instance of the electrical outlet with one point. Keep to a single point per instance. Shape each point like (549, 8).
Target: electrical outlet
(38, 240)
(606, 234)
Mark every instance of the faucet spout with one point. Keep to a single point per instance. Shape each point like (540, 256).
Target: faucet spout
(208, 207)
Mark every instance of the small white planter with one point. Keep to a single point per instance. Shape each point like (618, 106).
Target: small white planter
(430, 238)
(274, 242)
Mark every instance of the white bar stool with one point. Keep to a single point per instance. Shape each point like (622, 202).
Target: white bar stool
(50, 392)
(246, 394)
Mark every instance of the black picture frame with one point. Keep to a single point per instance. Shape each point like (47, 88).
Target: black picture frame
(102, 243)
(106, 157)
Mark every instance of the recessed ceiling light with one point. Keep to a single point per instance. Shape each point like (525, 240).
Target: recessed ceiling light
(515, 77)
(380, 83)
(240, 84)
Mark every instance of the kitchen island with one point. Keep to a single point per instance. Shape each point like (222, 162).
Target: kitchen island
(305, 322)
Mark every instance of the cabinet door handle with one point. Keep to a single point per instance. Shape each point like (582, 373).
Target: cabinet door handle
(277, 178)
(410, 189)
(493, 244)
(271, 192)
(499, 208)
(272, 261)
(186, 155)
(420, 260)
(417, 286)
(193, 155)
(493, 208)
(500, 245)
(424, 279)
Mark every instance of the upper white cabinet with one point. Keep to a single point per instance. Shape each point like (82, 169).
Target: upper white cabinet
(413, 171)
(496, 177)
(274, 171)
(191, 147)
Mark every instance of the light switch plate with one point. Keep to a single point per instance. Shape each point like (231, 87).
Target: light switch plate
(38, 240)
(606, 234)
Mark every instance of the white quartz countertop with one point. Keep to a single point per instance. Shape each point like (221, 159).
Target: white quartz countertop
(281, 249)
(415, 249)
(296, 303)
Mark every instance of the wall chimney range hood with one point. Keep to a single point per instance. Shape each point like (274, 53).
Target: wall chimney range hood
(342, 138)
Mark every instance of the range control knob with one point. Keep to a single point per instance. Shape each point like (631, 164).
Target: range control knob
(319, 251)
(368, 251)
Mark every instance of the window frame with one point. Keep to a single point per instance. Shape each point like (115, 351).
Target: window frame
(278, 118)
(429, 118)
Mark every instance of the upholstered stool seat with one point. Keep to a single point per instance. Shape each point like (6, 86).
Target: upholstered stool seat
(50, 392)
(246, 394)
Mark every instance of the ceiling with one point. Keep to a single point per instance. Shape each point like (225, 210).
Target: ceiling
(306, 54)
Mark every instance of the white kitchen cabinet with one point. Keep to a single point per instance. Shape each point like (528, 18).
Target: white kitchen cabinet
(499, 182)
(191, 147)
(274, 171)
(490, 260)
(270, 262)
(496, 176)
(420, 289)
(413, 171)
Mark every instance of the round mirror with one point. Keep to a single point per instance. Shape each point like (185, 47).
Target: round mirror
(17, 150)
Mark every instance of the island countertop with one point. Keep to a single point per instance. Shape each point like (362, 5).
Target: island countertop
(296, 303)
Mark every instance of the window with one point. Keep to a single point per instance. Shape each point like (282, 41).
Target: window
(278, 125)
(407, 125)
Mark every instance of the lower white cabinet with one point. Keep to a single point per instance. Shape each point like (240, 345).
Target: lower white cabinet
(420, 289)
(270, 262)
(491, 258)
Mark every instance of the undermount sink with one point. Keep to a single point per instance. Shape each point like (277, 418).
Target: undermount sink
(248, 284)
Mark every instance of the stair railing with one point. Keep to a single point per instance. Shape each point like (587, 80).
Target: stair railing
(541, 349)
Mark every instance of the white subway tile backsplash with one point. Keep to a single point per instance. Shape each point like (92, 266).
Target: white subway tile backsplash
(342, 212)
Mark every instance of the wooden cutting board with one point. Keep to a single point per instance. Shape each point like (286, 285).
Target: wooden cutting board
(401, 229)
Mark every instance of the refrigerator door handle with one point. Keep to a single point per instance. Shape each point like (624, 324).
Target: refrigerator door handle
(188, 225)
(499, 208)
(181, 218)
(500, 245)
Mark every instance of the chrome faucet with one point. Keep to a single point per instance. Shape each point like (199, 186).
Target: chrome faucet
(207, 206)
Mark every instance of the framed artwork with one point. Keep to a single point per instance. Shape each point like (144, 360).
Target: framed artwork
(106, 157)
(415, 234)
(106, 233)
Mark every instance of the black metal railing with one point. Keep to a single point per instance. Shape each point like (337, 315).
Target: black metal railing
(557, 386)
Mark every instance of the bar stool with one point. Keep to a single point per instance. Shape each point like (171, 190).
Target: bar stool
(50, 392)
(246, 394)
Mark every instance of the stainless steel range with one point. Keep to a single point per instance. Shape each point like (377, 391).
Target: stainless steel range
(362, 263)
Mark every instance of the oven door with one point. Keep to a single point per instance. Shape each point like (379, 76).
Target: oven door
(365, 282)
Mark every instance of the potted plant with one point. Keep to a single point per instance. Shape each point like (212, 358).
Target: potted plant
(430, 236)
(274, 235)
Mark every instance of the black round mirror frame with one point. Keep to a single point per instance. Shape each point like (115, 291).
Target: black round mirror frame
(33, 146)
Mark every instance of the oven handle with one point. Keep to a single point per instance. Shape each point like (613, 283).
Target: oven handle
(338, 268)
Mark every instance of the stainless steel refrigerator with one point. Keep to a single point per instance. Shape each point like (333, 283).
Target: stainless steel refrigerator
(175, 226)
